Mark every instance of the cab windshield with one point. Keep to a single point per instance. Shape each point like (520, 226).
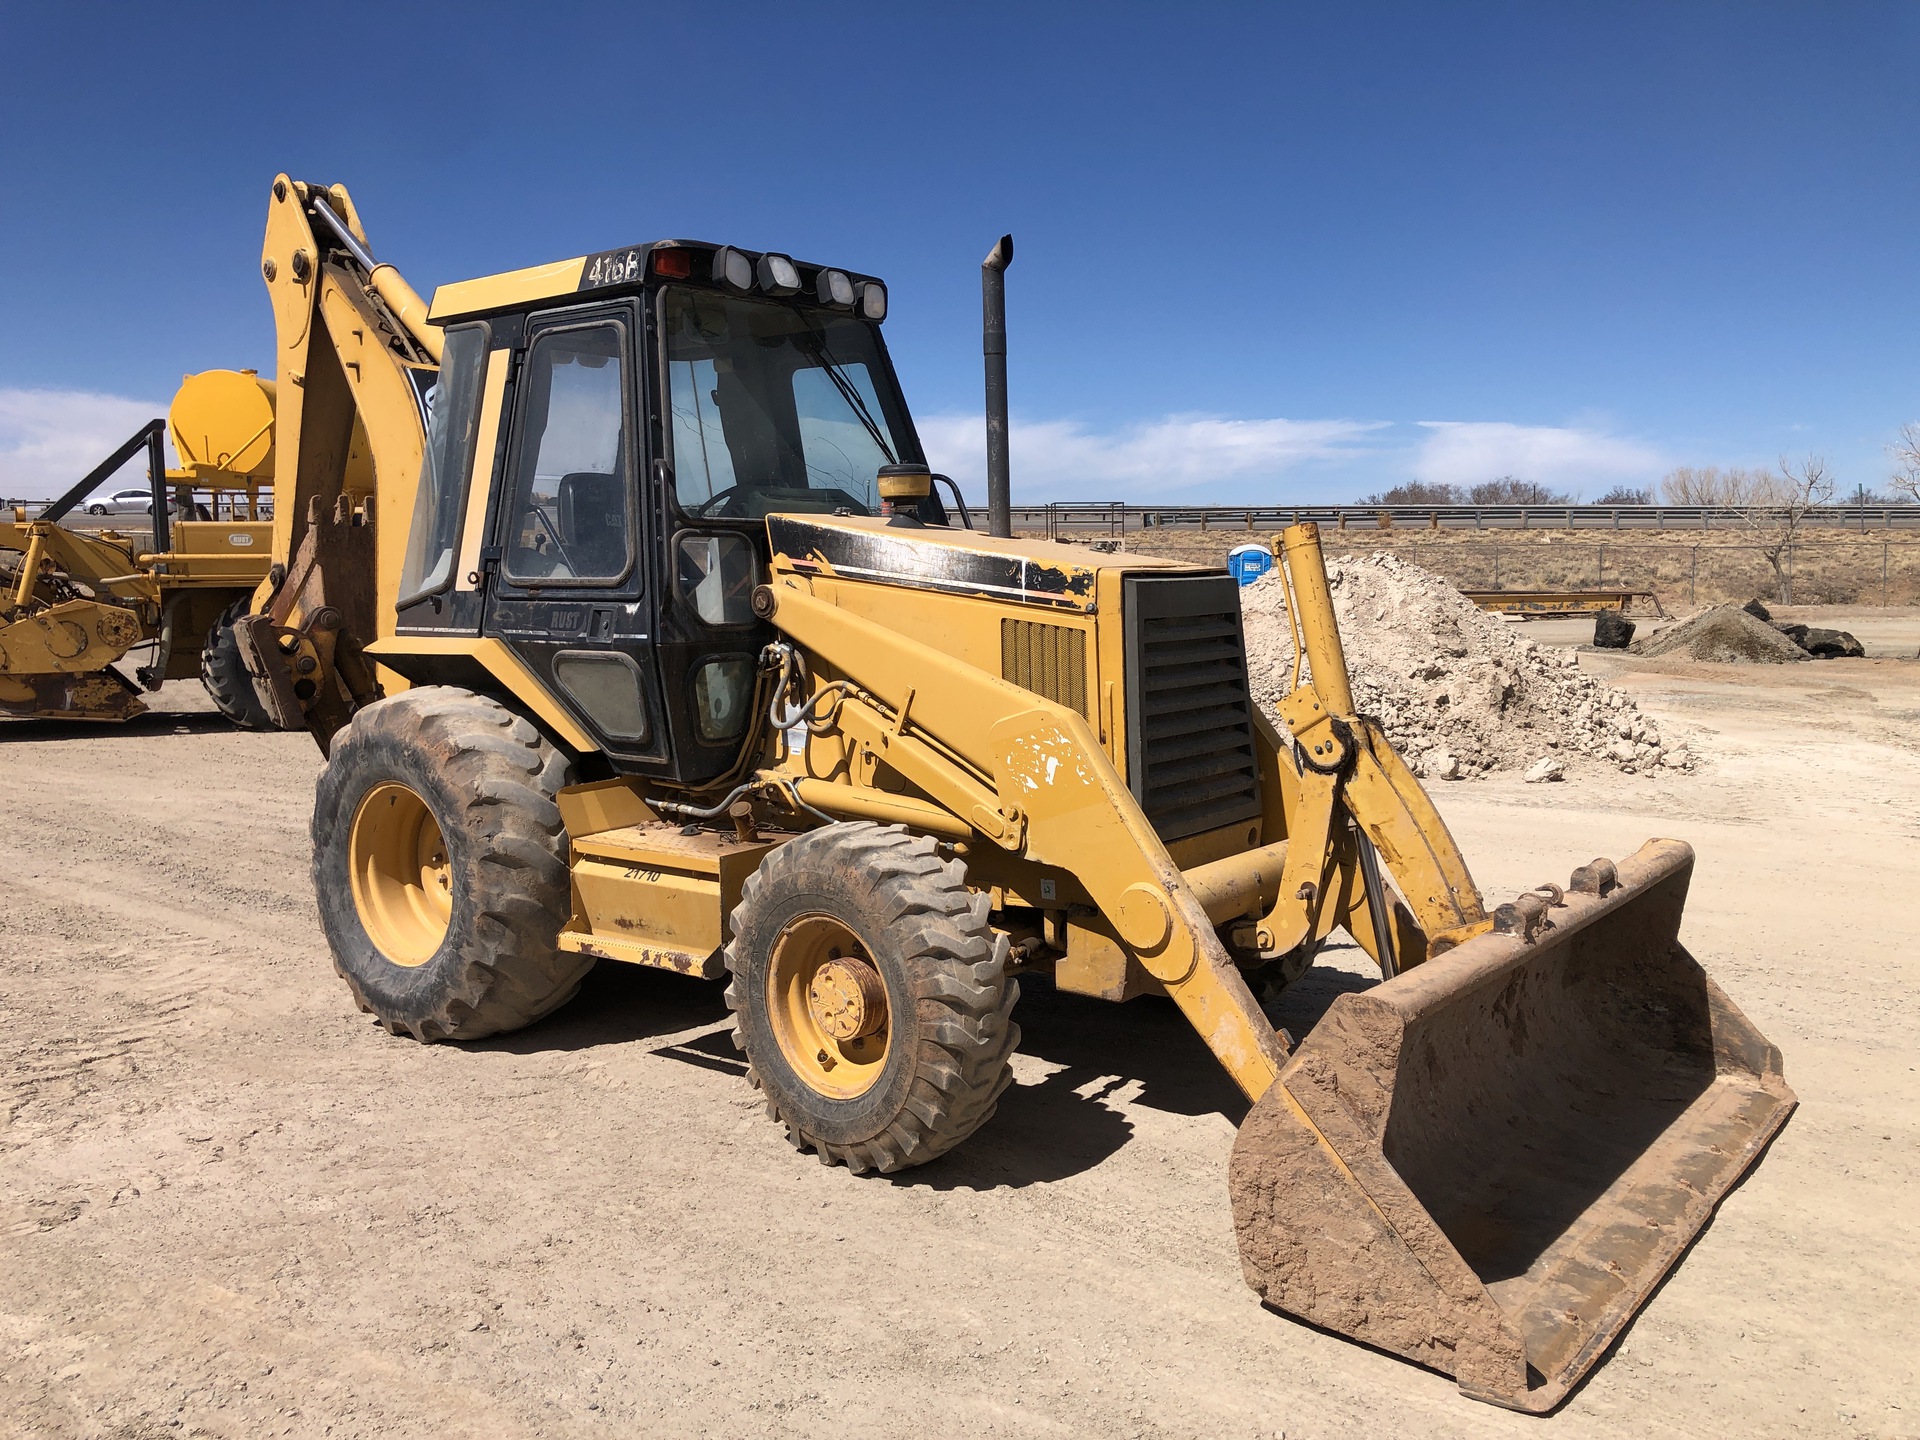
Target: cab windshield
(776, 407)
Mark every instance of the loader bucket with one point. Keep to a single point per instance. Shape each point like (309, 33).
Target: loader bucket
(1487, 1164)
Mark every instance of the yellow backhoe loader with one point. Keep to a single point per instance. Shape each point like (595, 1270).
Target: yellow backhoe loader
(73, 603)
(650, 638)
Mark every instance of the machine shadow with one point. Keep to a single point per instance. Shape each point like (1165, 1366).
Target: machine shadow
(1303, 1004)
(617, 1005)
(1043, 1131)
(1061, 1125)
(193, 722)
(1146, 1041)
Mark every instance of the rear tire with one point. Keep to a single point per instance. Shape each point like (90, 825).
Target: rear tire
(224, 674)
(440, 865)
(880, 904)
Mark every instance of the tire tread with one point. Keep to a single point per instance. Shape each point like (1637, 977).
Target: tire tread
(224, 676)
(513, 973)
(963, 997)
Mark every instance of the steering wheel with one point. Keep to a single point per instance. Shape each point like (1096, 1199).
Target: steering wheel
(709, 506)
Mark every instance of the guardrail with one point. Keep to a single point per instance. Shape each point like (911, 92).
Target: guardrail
(1100, 517)
(1116, 518)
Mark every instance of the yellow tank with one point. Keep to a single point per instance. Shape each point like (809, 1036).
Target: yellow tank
(222, 424)
(222, 427)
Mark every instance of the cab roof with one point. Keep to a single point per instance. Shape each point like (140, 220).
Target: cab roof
(621, 271)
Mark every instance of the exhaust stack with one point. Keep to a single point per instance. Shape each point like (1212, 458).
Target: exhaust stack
(993, 299)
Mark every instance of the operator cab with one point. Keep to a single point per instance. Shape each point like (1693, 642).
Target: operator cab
(607, 437)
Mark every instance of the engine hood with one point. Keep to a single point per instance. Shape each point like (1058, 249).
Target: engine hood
(965, 562)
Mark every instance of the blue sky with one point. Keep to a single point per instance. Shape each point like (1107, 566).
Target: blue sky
(1264, 253)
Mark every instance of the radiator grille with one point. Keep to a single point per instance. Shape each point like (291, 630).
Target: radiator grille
(1049, 660)
(1190, 754)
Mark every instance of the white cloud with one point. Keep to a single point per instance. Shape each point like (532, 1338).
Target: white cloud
(1466, 452)
(49, 439)
(1064, 459)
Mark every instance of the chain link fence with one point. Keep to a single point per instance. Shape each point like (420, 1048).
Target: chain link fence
(1811, 572)
(1685, 570)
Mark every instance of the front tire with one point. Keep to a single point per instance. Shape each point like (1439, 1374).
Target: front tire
(871, 996)
(440, 865)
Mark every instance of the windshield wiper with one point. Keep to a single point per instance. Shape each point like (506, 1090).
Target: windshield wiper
(848, 391)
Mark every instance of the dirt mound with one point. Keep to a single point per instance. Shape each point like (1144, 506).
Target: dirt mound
(1458, 692)
(1727, 634)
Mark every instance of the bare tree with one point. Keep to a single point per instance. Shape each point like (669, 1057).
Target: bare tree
(1509, 490)
(1776, 510)
(1712, 488)
(1416, 492)
(1625, 495)
(1906, 461)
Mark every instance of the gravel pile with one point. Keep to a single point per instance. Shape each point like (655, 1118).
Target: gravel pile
(1727, 635)
(1458, 692)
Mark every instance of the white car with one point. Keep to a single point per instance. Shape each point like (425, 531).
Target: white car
(126, 502)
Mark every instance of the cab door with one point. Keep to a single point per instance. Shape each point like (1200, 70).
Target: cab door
(568, 588)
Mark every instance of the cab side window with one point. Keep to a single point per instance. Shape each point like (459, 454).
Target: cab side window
(454, 406)
(572, 515)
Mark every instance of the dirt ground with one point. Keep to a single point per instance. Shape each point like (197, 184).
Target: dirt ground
(232, 1206)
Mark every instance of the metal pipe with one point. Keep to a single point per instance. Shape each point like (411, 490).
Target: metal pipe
(1319, 631)
(1377, 904)
(993, 343)
(862, 804)
(1240, 885)
(386, 282)
(696, 812)
(157, 475)
(143, 436)
(29, 575)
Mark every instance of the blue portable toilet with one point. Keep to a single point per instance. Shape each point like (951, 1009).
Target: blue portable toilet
(1249, 562)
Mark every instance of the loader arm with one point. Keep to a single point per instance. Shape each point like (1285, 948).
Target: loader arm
(1343, 767)
(1031, 777)
(353, 345)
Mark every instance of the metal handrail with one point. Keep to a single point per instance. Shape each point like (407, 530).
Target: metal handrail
(146, 437)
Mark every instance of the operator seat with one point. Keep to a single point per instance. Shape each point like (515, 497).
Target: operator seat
(593, 523)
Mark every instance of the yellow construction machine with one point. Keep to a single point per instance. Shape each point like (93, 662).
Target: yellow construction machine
(74, 603)
(650, 638)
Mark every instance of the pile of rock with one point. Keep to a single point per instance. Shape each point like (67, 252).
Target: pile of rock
(1747, 635)
(1458, 692)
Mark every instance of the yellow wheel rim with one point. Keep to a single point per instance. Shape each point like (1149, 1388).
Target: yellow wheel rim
(402, 883)
(829, 1007)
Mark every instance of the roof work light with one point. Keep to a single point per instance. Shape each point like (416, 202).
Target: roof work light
(835, 288)
(777, 275)
(732, 269)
